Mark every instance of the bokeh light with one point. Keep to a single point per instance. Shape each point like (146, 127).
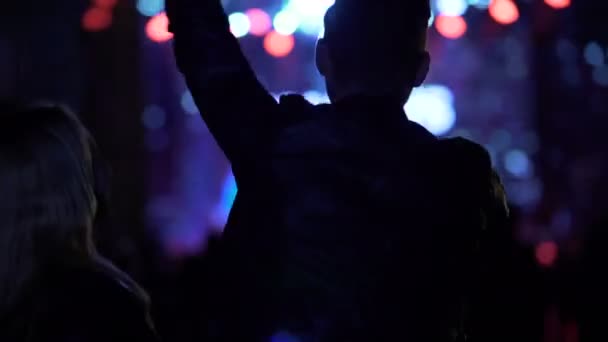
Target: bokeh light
(451, 27)
(504, 11)
(260, 22)
(96, 19)
(310, 14)
(558, 4)
(154, 117)
(286, 22)
(187, 103)
(157, 28)
(239, 24)
(106, 4)
(150, 8)
(546, 253)
(452, 8)
(278, 45)
(600, 75)
(481, 4)
(594, 54)
(432, 106)
(517, 163)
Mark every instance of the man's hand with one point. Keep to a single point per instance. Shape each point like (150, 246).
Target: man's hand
(191, 14)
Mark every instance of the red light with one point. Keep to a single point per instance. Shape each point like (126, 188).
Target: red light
(558, 4)
(451, 27)
(96, 19)
(157, 28)
(106, 4)
(260, 22)
(504, 11)
(546, 253)
(278, 45)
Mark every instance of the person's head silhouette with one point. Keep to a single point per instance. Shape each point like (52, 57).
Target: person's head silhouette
(374, 47)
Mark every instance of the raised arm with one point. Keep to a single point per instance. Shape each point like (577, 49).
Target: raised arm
(235, 106)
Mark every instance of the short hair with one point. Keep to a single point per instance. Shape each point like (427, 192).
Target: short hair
(376, 36)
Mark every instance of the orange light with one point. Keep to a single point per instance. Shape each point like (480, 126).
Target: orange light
(278, 45)
(96, 19)
(260, 22)
(106, 4)
(558, 4)
(157, 28)
(504, 11)
(546, 253)
(451, 27)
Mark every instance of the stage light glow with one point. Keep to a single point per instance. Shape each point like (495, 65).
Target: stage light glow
(310, 14)
(451, 27)
(96, 19)
(260, 22)
(286, 22)
(154, 117)
(150, 8)
(452, 8)
(594, 54)
(310, 8)
(600, 75)
(504, 11)
(558, 4)
(239, 24)
(432, 106)
(157, 28)
(106, 4)
(187, 103)
(229, 191)
(481, 4)
(517, 163)
(316, 97)
(547, 253)
(278, 45)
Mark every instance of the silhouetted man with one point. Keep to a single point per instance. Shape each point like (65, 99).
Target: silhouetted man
(335, 234)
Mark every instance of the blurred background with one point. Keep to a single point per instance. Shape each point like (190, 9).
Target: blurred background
(528, 79)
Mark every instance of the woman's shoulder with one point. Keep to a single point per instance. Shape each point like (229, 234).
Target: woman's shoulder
(93, 302)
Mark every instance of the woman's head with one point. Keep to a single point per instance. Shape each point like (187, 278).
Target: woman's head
(48, 201)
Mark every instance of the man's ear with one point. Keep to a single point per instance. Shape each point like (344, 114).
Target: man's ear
(423, 68)
(322, 57)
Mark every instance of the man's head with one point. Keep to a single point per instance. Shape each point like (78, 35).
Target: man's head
(374, 47)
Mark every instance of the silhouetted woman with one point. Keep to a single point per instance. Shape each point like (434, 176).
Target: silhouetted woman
(54, 286)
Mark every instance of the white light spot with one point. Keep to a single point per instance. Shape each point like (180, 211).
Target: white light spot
(239, 24)
(432, 106)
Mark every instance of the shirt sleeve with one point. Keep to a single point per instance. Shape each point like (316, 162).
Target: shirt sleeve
(238, 110)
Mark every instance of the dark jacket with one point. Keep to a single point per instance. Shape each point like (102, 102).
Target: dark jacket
(78, 305)
(332, 231)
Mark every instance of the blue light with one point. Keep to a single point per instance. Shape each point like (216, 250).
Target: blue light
(226, 201)
(286, 22)
(594, 54)
(517, 163)
(310, 8)
(481, 4)
(432, 106)
(316, 97)
(310, 14)
(600, 75)
(284, 336)
(154, 117)
(150, 8)
(239, 24)
(452, 8)
(188, 104)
